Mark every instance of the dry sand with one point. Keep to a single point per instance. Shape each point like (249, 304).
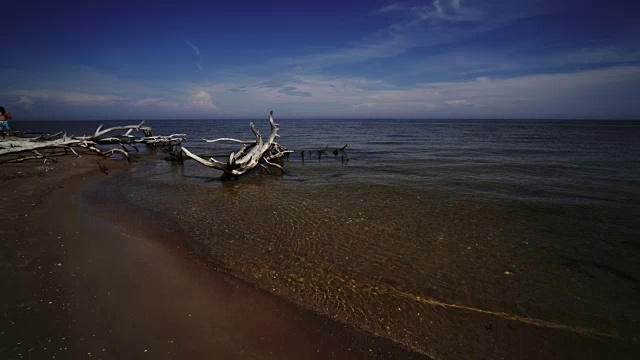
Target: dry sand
(76, 284)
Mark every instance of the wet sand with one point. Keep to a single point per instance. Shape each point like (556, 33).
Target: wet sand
(425, 273)
(79, 284)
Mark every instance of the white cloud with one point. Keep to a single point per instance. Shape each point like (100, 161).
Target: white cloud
(396, 7)
(24, 100)
(196, 100)
(70, 97)
(586, 94)
(464, 64)
(458, 102)
(446, 8)
(593, 55)
(605, 92)
(201, 99)
(439, 22)
(392, 45)
(594, 93)
(148, 101)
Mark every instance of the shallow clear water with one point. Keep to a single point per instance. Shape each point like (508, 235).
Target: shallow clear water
(427, 232)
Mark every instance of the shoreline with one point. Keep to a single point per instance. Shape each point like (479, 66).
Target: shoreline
(94, 265)
(86, 286)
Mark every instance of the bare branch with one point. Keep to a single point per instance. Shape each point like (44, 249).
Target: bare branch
(210, 163)
(228, 139)
(273, 164)
(250, 155)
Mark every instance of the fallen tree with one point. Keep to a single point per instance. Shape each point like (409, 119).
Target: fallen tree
(252, 154)
(104, 137)
(48, 146)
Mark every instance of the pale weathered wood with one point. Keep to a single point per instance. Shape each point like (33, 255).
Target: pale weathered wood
(252, 154)
(227, 139)
(17, 146)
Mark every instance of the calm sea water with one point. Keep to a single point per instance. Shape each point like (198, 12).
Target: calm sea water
(568, 162)
(457, 238)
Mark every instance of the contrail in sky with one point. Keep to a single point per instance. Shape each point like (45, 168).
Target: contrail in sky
(195, 48)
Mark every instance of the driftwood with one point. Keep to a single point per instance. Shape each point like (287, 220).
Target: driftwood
(252, 154)
(128, 139)
(94, 143)
(321, 152)
(20, 146)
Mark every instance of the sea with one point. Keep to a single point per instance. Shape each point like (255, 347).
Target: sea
(454, 238)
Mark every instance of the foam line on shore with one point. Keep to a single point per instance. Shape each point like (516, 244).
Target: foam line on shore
(509, 316)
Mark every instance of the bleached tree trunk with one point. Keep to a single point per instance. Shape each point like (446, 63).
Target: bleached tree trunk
(18, 146)
(252, 154)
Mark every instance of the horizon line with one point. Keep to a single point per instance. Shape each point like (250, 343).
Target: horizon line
(342, 118)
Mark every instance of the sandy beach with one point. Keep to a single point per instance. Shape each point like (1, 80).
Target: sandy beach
(451, 259)
(439, 179)
(78, 284)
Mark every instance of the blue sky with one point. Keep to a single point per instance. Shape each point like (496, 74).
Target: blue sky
(320, 59)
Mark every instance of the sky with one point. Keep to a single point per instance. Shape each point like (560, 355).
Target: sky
(210, 59)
